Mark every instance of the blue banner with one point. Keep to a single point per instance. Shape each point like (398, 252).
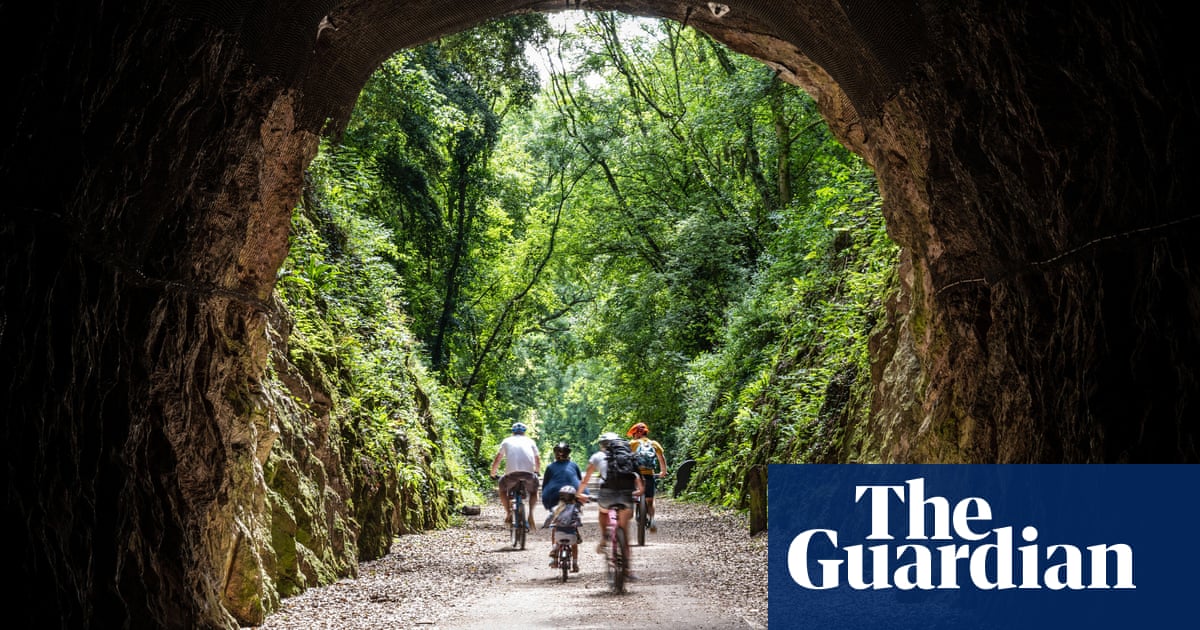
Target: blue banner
(983, 546)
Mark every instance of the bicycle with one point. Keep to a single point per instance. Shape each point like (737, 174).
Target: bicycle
(519, 523)
(642, 519)
(562, 552)
(617, 551)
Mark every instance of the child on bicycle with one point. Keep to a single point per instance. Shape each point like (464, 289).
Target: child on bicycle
(565, 521)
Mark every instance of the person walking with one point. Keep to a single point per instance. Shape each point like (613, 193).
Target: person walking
(522, 461)
(648, 453)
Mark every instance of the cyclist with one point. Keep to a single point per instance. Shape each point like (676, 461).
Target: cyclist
(641, 439)
(561, 472)
(609, 495)
(521, 463)
(566, 518)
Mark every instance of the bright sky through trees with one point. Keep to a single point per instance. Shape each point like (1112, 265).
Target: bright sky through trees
(565, 22)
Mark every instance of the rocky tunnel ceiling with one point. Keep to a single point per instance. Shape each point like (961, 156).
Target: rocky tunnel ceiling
(1037, 162)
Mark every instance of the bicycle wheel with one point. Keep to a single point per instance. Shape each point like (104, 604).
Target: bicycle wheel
(564, 559)
(513, 526)
(519, 526)
(619, 566)
(642, 520)
(610, 566)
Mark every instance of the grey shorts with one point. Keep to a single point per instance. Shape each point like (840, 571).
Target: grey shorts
(573, 538)
(609, 498)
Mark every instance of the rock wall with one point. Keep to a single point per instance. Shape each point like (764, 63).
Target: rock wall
(1035, 162)
(150, 193)
(1049, 302)
(160, 474)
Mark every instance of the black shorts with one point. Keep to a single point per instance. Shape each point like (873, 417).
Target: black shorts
(649, 482)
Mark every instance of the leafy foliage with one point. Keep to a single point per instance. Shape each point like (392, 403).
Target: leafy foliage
(737, 251)
(350, 332)
(664, 233)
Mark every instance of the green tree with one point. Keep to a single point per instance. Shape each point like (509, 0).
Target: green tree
(666, 233)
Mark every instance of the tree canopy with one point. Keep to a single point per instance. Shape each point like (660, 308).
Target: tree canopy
(653, 229)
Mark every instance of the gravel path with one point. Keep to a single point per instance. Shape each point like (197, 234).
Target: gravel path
(700, 571)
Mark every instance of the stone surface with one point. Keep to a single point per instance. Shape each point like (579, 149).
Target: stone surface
(1035, 161)
(699, 571)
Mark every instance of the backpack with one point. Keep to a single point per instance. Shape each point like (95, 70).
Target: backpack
(567, 518)
(646, 456)
(622, 467)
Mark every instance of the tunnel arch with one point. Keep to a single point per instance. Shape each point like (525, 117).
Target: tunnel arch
(1035, 161)
(970, 159)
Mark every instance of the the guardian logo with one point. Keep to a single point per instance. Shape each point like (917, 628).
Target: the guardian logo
(948, 546)
(982, 546)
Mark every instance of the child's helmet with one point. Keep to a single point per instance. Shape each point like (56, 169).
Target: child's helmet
(566, 493)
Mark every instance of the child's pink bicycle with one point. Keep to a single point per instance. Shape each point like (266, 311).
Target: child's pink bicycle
(616, 551)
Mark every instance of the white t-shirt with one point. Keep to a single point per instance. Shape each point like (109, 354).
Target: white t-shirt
(599, 459)
(519, 453)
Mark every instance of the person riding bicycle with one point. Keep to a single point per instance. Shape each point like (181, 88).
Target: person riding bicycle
(611, 494)
(521, 464)
(561, 472)
(565, 518)
(648, 452)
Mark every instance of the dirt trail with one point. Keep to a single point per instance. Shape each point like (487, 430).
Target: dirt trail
(469, 578)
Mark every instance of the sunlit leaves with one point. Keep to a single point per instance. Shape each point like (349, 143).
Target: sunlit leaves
(667, 233)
